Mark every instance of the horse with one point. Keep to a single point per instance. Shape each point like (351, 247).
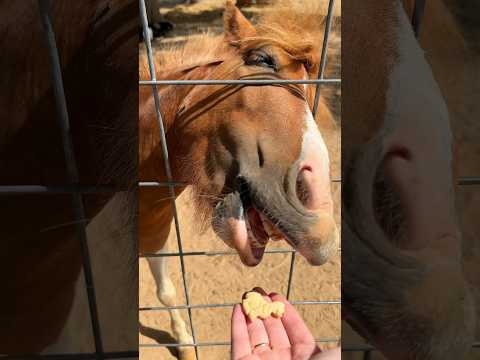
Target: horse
(224, 142)
(407, 262)
(41, 257)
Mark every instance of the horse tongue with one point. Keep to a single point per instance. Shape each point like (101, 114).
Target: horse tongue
(257, 252)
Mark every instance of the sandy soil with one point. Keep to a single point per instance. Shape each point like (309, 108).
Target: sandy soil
(223, 279)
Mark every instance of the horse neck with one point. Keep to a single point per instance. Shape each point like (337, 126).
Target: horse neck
(151, 158)
(32, 77)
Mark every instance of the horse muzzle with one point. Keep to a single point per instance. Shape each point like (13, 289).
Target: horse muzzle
(255, 213)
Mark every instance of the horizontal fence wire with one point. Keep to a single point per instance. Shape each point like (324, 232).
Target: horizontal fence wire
(78, 356)
(463, 181)
(239, 82)
(217, 343)
(365, 347)
(212, 253)
(208, 306)
(57, 189)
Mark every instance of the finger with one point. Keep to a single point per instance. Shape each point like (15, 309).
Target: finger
(258, 335)
(332, 354)
(240, 338)
(294, 325)
(276, 331)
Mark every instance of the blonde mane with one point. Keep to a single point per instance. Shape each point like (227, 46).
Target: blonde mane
(296, 26)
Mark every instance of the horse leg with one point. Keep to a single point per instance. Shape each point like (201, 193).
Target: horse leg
(166, 293)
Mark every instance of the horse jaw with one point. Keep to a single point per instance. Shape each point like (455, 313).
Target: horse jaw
(401, 303)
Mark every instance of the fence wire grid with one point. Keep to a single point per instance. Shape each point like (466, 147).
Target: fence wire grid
(77, 192)
(153, 82)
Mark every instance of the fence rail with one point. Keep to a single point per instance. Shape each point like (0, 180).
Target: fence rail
(95, 189)
(238, 82)
(78, 356)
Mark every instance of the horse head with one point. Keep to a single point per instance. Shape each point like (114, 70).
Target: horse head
(254, 154)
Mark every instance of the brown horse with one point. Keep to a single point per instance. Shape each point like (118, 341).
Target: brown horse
(404, 285)
(254, 155)
(40, 253)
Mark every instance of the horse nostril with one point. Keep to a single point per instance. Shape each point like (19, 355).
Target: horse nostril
(302, 187)
(400, 152)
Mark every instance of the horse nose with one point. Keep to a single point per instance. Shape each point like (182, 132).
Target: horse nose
(313, 191)
(426, 205)
(313, 187)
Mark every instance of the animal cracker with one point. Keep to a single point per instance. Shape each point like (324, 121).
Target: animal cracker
(254, 305)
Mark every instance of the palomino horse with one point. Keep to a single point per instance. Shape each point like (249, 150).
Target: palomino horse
(403, 280)
(40, 253)
(225, 141)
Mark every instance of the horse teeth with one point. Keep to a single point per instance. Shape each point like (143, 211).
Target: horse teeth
(247, 223)
(253, 240)
(267, 225)
(255, 244)
(268, 228)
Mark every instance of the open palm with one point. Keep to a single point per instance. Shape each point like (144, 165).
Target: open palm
(286, 338)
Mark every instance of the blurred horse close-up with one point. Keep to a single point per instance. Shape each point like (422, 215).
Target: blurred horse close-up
(410, 249)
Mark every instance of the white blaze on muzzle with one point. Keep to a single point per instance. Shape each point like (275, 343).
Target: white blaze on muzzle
(417, 122)
(315, 159)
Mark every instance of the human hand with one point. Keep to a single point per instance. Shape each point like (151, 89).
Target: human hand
(284, 338)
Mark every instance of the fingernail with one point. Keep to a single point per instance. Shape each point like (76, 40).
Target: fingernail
(259, 290)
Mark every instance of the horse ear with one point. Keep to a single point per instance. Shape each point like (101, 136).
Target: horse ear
(236, 26)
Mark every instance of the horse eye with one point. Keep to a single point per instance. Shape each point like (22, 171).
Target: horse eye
(308, 65)
(261, 59)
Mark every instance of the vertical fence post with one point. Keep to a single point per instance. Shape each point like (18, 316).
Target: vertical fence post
(321, 73)
(72, 171)
(168, 172)
(323, 58)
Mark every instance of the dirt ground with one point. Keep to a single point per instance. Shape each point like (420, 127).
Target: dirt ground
(223, 279)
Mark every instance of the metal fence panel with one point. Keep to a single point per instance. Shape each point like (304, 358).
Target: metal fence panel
(76, 190)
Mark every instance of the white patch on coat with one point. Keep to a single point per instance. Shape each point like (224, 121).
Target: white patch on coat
(313, 142)
(415, 108)
(414, 100)
(417, 119)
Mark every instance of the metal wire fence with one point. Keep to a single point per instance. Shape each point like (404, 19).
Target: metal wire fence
(321, 80)
(153, 82)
